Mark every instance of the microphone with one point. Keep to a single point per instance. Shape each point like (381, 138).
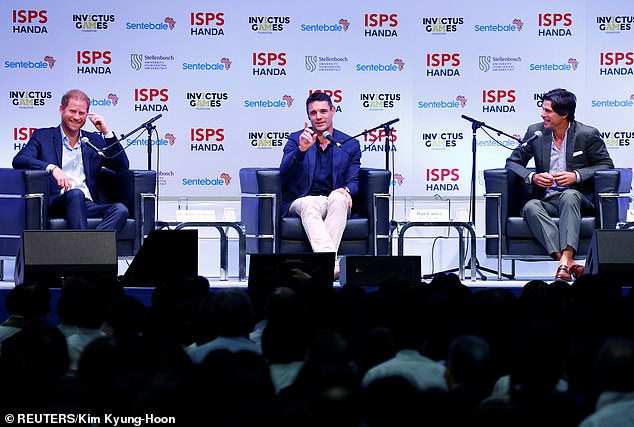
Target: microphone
(477, 122)
(152, 120)
(85, 140)
(329, 137)
(536, 135)
(391, 122)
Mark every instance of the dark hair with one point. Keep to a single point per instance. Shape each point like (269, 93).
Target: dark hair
(563, 102)
(318, 96)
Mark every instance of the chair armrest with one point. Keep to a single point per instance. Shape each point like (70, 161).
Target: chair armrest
(136, 189)
(611, 196)
(375, 182)
(31, 183)
(260, 207)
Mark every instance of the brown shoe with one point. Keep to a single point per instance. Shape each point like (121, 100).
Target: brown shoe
(577, 270)
(563, 273)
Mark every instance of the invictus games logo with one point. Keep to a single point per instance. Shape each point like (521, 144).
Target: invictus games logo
(268, 24)
(140, 61)
(379, 101)
(206, 100)
(442, 25)
(441, 140)
(268, 139)
(498, 63)
(92, 23)
(29, 99)
(615, 24)
(324, 63)
(618, 138)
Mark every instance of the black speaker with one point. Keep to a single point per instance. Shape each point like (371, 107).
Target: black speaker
(611, 253)
(368, 270)
(165, 256)
(52, 255)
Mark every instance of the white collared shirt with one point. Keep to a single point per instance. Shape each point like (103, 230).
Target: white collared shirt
(73, 164)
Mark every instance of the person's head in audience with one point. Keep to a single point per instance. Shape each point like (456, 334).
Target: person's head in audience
(615, 365)
(30, 300)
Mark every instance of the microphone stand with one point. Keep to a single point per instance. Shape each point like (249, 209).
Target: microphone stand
(149, 127)
(475, 125)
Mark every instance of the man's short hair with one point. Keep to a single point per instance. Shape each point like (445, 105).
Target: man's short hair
(563, 102)
(318, 96)
(75, 94)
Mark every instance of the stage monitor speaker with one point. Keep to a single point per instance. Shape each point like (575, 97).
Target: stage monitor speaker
(165, 256)
(611, 253)
(51, 256)
(368, 270)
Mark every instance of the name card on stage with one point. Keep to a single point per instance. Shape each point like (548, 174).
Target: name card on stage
(195, 215)
(429, 215)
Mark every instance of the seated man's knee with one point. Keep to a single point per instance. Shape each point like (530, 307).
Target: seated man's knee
(570, 196)
(532, 207)
(121, 211)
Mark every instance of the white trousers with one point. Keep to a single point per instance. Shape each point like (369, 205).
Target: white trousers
(324, 219)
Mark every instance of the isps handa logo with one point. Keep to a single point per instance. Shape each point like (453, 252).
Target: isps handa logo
(94, 61)
(554, 24)
(29, 21)
(206, 23)
(206, 139)
(380, 25)
(269, 63)
(616, 63)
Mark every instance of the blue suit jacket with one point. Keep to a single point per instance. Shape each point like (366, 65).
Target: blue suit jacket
(45, 148)
(297, 176)
(585, 153)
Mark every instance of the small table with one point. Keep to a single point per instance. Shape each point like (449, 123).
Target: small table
(460, 227)
(224, 243)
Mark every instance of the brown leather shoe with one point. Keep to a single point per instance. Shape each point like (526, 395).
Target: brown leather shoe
(577, 270)
(563, 273)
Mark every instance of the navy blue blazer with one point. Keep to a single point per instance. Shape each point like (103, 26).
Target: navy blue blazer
(297, 176)
(45, 148)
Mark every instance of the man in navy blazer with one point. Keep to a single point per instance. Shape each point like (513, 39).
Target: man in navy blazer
(320, 175)
(567, 154)
(74, 158)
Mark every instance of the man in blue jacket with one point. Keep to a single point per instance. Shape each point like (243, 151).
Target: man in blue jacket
(74, 159)
(320, 176)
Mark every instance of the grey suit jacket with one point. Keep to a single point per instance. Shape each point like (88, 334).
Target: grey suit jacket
(585, 153)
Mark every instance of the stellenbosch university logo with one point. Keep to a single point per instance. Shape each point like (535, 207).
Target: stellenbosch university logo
(324, 63)
(396, 65)
(29, 99)
(48, 62)
(618, 138)
(206, 100)
(616, 63)
(151, 99)
(206, 139)
(268, 24)
(625, 102)
(341, 26)
(380, 25)
(222, 65)
(29, 21)
(379, 101)
(554, 24)
(567, 65)
(152, 62)
(92, 23)
(206, 23)
(222, 180)
(443, 64)
(285, 102)
(498, 63)
(498, 100)
(269, 63)
(515, 26)
(441, 140)
(167, 24)
(268, 139)
(615, 24)
(459, 101)
(442, 25)
(164, 176)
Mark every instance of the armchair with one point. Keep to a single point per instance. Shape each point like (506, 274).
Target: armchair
(507, 236)
(366, 232)
(24, 197)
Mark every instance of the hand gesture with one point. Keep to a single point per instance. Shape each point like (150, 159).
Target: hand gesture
(307, 138)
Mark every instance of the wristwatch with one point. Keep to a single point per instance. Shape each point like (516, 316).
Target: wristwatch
(347, 189)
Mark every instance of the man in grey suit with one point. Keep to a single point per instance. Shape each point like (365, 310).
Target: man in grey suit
(567, 154)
